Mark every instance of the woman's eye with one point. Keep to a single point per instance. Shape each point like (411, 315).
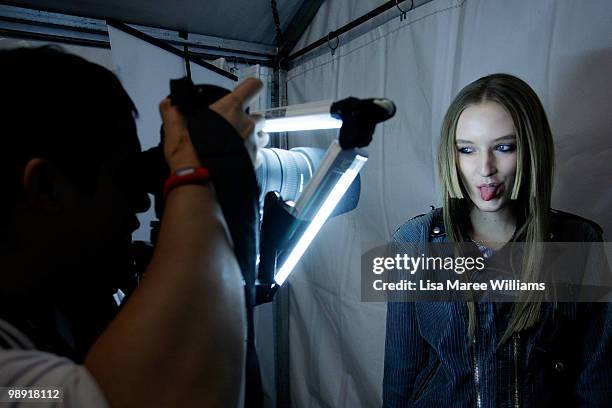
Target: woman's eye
(506, 148)
(465, 150)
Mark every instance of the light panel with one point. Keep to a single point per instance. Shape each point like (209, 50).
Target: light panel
(319, 219)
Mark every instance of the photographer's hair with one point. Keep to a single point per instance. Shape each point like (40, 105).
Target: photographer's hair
(533, 184)
(61, 108)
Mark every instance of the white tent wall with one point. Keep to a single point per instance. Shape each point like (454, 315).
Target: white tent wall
(336, 13)
(562, 48)
(333, 14)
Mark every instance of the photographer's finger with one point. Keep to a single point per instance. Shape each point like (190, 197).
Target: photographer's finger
(247, 90)
(173, 120)
(178, 150)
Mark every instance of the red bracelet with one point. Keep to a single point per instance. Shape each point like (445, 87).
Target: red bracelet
(188, 175)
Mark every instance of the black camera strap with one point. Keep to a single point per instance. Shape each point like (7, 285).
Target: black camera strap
(221, 150)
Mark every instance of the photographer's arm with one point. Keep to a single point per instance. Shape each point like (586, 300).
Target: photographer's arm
(179, 339)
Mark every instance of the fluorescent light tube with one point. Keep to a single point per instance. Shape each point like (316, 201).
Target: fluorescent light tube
(324, 211)
(311, 122)
(306, 116)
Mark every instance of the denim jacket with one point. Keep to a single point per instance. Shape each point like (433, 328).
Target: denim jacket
(565, 361)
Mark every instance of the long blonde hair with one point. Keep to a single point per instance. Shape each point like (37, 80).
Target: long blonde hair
(532, 188)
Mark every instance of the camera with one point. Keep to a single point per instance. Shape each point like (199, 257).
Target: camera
(284, 201)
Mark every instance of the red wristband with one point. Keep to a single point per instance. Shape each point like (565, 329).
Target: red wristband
(188, 175)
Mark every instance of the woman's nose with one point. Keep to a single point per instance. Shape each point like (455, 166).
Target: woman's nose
(487, 166)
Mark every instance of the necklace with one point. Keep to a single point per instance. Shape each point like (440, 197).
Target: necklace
(486, 251)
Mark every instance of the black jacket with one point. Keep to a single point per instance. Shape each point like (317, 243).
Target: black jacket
(565, 361)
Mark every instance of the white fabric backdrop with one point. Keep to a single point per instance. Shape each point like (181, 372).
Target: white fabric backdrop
(562, 48)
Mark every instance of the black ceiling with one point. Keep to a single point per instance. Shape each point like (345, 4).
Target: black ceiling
(245, 20)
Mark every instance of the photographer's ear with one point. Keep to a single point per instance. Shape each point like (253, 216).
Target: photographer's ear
(41, 184)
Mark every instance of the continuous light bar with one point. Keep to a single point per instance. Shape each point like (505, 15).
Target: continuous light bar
(307, 116)
(309, 203)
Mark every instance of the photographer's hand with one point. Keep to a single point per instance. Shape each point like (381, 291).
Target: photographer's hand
(178, 149)
(179, 340)
(232, 108)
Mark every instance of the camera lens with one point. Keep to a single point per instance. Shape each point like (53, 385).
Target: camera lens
(287, 171)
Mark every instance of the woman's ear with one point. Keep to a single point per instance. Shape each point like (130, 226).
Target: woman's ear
(41, 186)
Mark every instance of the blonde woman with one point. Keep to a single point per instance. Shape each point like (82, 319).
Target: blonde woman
(496, 165)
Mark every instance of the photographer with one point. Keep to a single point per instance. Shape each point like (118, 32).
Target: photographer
(68, 210)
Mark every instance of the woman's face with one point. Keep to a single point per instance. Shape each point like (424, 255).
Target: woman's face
(486, 154)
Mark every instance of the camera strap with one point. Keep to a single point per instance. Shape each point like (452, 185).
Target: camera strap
(222, 151)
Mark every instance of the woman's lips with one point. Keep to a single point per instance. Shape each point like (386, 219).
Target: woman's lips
(489, 191)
